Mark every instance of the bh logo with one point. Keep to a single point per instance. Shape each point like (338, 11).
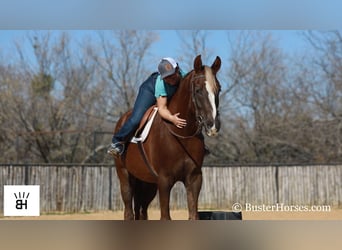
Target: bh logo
(21, 200)
(21, 203)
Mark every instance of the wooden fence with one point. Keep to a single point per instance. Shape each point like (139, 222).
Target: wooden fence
(82, 188)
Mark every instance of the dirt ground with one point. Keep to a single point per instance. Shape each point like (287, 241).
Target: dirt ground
(334, 214)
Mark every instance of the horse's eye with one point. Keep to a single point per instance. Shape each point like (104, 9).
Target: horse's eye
(198, 91)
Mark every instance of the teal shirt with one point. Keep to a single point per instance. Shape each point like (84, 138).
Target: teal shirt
(164, 89)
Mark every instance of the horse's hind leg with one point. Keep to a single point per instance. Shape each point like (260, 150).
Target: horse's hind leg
(143, 195)
(140, 212)
(150, 192)
(193, 186)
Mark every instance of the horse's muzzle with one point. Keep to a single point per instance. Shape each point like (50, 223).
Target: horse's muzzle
(212, 132)
(213, 129)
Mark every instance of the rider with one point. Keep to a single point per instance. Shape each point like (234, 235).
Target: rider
(157, 88)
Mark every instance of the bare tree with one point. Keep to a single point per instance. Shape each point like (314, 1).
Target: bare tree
(59, 96)
(263, 125)
(58, 92)
(324, 85)
(121, 60)
(193, 43)
(51, 97)
(9, 102)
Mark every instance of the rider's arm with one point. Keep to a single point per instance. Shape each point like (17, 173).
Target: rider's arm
(166, 114)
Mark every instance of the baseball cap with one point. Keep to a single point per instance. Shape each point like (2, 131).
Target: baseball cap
(167, 67)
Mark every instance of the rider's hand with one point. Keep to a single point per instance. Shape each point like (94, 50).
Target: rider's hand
(178, 122)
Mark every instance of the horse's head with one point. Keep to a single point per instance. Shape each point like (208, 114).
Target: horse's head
(205, 94)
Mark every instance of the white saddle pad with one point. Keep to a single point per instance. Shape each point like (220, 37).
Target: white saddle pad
(146, 129)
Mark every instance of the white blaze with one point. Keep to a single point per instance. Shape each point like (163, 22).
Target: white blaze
(210, 86)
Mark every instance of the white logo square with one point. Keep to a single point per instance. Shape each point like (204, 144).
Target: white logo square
(21, 200)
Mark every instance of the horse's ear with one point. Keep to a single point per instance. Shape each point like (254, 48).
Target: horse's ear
(198, 64)
(216, 65)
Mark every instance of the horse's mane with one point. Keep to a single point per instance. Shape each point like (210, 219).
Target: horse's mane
(187, 74)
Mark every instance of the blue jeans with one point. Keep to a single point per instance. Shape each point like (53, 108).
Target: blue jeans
(145, 99)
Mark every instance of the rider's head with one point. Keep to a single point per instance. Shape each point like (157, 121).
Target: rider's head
(167, 67)
(169, 70)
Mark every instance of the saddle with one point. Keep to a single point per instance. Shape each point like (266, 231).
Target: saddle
(143, 130)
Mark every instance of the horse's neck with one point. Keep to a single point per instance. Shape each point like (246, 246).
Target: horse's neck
(181, 101)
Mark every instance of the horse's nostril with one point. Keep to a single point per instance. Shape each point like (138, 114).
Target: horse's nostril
(209, 124)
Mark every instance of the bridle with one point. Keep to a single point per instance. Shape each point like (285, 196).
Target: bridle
(199, 118)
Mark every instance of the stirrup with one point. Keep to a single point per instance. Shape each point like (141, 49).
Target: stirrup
(116, 149)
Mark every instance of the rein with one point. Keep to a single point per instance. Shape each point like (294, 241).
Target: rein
(199, 119)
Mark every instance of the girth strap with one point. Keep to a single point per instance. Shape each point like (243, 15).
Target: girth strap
(143, 153)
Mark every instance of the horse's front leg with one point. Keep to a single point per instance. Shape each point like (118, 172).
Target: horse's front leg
(126, 193)
(193, 186)
(164, 188)
(127, 199)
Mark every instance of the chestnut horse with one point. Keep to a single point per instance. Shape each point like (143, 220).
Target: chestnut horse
(170, 154)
